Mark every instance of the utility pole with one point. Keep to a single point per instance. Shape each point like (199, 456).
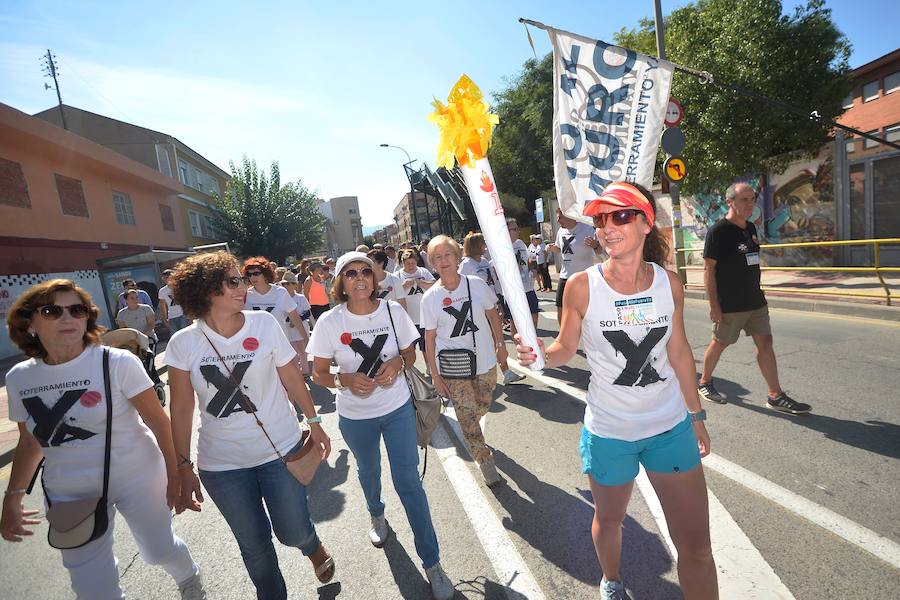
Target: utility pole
(50, 70)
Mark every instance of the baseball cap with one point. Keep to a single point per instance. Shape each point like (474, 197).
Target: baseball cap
(288, 277)
(617, 196)
(350, 257)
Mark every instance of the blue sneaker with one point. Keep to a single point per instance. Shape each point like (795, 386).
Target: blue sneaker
(612, 590)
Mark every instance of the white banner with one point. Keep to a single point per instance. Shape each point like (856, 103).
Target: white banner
(608, 109)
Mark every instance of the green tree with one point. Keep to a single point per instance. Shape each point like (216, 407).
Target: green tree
(369, 240)
(522, 152)
(800, 59)
(260, 216)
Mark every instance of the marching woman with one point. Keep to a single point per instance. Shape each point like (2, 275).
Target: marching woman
(416, 280)
(642, 402)
(265, 295)
(298, 338)
(364, 336)
(59, 399)
(460, 317)
(314, 290)
(237, 361)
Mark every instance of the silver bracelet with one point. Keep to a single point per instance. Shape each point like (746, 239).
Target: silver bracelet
(9, 492)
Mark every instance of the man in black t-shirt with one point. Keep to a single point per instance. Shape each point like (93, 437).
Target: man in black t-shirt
(731, 276)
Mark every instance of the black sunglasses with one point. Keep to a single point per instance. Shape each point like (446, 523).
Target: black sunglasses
(619, 217)
(253, 273)
(55, 311)
(233, 282)
(353, 273)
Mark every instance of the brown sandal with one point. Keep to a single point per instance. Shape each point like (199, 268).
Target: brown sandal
(323, 567)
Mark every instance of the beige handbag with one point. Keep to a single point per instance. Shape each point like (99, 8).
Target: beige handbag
(303, 459)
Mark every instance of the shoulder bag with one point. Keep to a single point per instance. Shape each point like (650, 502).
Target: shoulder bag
(460, 363)
(76, 523)
(304, 458)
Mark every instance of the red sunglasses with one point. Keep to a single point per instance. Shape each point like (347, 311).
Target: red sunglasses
(619, 217)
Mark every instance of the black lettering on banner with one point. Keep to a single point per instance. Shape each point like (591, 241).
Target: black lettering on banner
(371, 355)
(638, 371)
(463, 323)
(47, 419)
(567, 244)
(226, 400)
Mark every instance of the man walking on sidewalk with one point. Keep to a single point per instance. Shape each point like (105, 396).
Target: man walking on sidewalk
(731, 276)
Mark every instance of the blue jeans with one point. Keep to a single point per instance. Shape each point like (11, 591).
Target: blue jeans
(239, 495)
(177, 323)
(399, 431)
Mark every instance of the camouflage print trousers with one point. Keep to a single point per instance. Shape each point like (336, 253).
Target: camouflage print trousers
(471, 401)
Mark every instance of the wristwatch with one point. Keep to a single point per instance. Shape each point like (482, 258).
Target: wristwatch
(315, 419)
(700, 415)
(337, 382)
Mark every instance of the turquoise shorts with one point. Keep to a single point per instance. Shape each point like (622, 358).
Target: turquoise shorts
(615, 462)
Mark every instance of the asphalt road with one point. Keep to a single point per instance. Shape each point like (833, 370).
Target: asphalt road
(530, 538)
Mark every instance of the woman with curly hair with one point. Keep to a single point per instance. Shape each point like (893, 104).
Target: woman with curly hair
(236, 361)
(263, 294)
(58, 397)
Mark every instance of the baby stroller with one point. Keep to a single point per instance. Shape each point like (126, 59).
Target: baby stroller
(141, 346)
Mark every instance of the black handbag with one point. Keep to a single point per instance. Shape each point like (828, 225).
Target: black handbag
(76, 523)
(460, 363)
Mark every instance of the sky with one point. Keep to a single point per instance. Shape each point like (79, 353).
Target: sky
(314, 85)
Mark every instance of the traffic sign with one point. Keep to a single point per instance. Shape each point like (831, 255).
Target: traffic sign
(674, 113)
(672, 141)
(539, 210)
(675, 169)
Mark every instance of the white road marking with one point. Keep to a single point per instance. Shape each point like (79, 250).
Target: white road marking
(743, 572)
(549, 314)
(511, 569)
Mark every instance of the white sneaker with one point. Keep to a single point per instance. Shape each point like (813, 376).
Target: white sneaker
(378, 535)
(509, 376)
(489, 472)
(441, 587)
(192, 589)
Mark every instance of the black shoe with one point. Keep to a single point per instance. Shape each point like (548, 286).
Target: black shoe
(786, 404)
(709, 392)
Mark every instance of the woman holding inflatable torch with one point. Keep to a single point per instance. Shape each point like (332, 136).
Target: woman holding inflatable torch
(642, 402)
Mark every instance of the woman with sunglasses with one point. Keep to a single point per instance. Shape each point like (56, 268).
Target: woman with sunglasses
(58, 398)
(460, 312)
(415, 281)
(314, 290)
(642, 400)
(364, 336)
(237, 361)
(298, 338)
(263, 294)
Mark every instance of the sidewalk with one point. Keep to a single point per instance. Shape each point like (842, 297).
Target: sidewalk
(854, 307)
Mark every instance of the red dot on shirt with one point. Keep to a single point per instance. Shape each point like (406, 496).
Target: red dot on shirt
(346, 338)
(90, 399)
(251, 344)
(447, 301)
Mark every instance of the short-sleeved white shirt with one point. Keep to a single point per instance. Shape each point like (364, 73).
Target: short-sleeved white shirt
(276, 301)
(391, 287)
(576, 257)
(449, 313)
(482, 268)
(64, 407)
(229, 436)
(522, 258)
(175, 310)
(305, 312)
(361, 344)
(413, 294)
(538, 252)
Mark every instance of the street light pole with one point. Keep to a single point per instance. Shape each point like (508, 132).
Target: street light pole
(412, 191)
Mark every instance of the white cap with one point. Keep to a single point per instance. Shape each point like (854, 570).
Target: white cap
(349, 257)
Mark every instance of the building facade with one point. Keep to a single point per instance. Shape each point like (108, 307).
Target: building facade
(343, 226)
(200, 178)
(873, 106)
(69, 205)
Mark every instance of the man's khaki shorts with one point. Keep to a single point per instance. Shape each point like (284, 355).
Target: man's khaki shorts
(754, 322)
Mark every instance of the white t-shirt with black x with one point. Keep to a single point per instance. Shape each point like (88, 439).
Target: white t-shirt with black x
(276, 301)
(413, 293)
(229, 436)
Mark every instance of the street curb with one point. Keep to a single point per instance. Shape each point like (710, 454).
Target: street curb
(847, 309)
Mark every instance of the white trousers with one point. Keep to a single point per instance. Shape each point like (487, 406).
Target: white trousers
(93, 568)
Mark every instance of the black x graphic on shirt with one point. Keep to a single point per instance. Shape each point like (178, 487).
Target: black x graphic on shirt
(267, 309)
(371, 355)
(47, 419)
(415, 290)
(227, 399)
(463, 323)
(637, 364)
(567, 244)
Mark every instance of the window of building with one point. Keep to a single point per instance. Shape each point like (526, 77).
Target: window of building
(352, 211)
(848, 101)
(183, 171)
(124, 210)
(892, 83)
(870, 91)
(198, 178)
(850, 144)
(71, 196)
(167, 217)
(195, 223)
(214, 186)
(13, 187)
(871, 143)
(892, 133)
(162, 159)
(202, 225)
